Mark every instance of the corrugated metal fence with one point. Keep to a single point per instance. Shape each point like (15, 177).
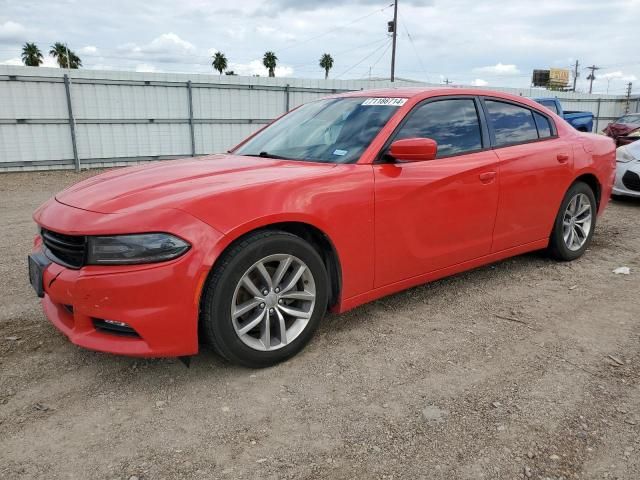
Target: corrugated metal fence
(54, 119)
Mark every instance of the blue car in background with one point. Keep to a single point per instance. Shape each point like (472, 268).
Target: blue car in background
(582, 121)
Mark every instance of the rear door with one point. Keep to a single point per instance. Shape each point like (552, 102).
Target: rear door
(433, 214)
(535, 168)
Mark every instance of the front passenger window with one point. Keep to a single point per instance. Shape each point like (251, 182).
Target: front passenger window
(453, 124)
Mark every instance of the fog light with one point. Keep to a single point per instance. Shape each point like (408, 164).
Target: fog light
(119, 324)
(114, 327)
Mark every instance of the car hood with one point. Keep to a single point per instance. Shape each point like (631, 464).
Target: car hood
(171, 184)
(616, 130)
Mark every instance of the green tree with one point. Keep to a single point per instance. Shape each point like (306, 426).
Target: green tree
(66, 58)
(219, 62)
(326, 63)
(269, 61)
(31, 55)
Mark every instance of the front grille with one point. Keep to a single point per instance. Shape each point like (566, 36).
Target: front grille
(631, 180)
(114, 328)
(67, 250)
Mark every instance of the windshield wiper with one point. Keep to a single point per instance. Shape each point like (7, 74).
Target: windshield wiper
(264, 154)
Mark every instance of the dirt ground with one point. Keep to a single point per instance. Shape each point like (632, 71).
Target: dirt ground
(523, 369)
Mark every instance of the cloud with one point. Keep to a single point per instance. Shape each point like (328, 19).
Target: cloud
(167, 47)
(145, 67)
(89, 50)
(272, 32)
(617, 75)
(478, 82)
(177, 36)
(12, 32)
(12, 61)
(47, 62)
(282, 5)
(499, 69)
(255, 67)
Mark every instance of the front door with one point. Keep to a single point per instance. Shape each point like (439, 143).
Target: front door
(434, 214)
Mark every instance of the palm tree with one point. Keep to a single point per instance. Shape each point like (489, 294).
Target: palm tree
(31, 55)
(269, 61)
(326, 62)
(66, 58)
(219, 62)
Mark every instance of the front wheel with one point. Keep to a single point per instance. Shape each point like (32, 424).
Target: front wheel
(265, 299)
(575, 223)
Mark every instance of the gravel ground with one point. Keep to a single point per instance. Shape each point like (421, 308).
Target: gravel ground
(523, 369)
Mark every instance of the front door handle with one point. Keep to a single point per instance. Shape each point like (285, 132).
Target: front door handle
(487, 177)
(563, 157)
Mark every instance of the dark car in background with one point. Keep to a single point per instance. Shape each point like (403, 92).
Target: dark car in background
(625, 129)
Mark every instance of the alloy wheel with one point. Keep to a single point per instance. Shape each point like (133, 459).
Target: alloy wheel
(273, 302)
(576, 222)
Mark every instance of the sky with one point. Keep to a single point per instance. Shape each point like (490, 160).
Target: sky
(471, 42)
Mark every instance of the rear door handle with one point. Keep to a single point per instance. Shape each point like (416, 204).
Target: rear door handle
(487, 177)
(563, 157)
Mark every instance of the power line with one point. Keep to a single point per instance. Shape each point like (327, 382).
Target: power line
(380, 57)
(340, 27)
(359, 62)
(415, 50)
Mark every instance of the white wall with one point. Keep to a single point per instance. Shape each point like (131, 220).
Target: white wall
(129, 117)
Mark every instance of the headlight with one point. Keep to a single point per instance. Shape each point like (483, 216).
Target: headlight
(623, 156)
(134, 249)
(635, 133)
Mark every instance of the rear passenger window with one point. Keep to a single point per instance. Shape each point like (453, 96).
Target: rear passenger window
(453, 124)
(551, 105)
(511, 123)
(544, 127)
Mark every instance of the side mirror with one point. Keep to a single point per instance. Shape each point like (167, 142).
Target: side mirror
(414, 149)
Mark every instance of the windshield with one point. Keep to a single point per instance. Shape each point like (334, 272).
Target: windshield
(335, 130)
(631, 119)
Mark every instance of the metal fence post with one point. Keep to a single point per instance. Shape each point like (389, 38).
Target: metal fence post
(72, 122)
(191, 132)
(286, 98)
(597, 116)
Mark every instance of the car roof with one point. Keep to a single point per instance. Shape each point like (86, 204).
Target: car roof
(426, 92)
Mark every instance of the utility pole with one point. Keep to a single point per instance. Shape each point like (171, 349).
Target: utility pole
(395, 33)
(591, 76)
(626, 107)
(575, 75)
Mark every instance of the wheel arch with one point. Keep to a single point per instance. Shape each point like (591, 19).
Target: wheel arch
(592, 181)
(312, 234)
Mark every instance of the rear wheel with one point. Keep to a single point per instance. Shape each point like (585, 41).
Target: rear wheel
(575, 223)
(265, 299)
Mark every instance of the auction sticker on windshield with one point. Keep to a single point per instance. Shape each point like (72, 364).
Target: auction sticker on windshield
(391, 102)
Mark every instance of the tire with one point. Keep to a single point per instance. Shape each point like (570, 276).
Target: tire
(227, 291)
(565, 249)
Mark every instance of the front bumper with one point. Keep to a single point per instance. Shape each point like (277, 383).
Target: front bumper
(627, 180)
(160, 302)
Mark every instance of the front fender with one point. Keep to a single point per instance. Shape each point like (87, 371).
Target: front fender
(339, 204)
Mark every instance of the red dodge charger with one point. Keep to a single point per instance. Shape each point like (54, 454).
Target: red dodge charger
(339, 202)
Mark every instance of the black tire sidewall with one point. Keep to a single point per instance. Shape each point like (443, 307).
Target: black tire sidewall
(217, 321)
(559, 248)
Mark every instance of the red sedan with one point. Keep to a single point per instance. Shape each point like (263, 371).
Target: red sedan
(339, 202)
